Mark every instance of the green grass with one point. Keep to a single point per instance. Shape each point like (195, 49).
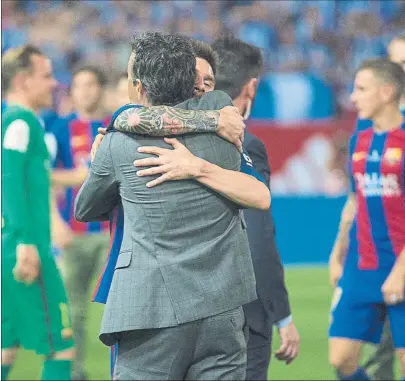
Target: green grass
(310, 298)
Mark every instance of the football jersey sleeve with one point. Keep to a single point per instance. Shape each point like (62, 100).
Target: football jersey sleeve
(246, 166)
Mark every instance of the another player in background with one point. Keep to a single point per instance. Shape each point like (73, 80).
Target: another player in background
(380, 365)
(367, 264)
(84, 255)
(35, 313)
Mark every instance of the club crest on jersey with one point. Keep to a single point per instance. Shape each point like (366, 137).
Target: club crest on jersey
(393, 155)
(357, 156)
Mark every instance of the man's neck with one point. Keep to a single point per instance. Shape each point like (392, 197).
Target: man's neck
(22, 101)
(388, 119)
(97, 114)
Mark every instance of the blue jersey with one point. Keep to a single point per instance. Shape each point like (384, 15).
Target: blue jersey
(74, 138)
(377, 236)
(376, 170)
(117, 226)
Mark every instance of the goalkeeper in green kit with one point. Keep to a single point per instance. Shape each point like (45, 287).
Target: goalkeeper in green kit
(35, 314)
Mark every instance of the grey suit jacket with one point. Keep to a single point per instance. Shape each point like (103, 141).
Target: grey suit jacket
(185, 253)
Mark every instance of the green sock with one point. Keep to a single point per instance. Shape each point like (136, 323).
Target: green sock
(57, 370)
(5, 370)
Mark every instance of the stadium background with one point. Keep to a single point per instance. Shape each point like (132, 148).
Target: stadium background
(302, 113)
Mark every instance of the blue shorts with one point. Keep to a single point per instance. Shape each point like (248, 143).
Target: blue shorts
(359, 312)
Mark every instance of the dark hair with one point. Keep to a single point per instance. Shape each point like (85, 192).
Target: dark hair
(238, 63)
(15, 61)
(387, 71)
(206, 52)
(97, 72)
(165, 65)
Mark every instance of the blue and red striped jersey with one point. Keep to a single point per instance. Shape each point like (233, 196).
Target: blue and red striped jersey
(74, 140)
(376, 169)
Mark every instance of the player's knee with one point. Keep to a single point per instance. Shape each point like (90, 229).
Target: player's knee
(67, 354)
(8, 356)
(342, 362)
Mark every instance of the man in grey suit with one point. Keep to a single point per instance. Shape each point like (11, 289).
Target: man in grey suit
(184, 268)
(236, 73)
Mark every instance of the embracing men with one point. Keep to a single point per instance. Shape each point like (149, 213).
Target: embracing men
(184, 268)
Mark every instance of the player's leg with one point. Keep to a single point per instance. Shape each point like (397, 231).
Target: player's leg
(47, 329)
(354, 321)
(380, 365)
(60, 351)
(78, 262)
(9, 334)
(344, 356)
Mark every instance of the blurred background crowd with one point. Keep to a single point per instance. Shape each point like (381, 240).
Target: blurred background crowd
(311, 47)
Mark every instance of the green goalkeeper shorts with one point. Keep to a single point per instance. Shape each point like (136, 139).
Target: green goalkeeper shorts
(36, 316)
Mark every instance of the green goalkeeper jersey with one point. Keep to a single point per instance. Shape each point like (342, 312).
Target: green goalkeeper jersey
(25, 181)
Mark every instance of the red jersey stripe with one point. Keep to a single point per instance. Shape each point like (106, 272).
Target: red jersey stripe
(368, 258)
(80, 142)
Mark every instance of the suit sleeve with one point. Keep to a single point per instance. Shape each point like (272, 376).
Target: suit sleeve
(279, 295)
(99, 194)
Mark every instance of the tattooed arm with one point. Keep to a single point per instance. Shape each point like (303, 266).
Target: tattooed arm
(166, 120)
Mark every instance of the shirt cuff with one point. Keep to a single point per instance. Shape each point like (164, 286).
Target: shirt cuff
(284, 322)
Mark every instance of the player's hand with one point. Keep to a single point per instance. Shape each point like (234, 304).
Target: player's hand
(394, 287)
(231, 126)
(28, 264)
(335, 272)
(173, 164)
(97, 141)
(290, 344)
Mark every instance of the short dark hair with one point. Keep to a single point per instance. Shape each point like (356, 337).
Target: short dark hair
(206, 52)
(96, 71)
(387, 71)
(238, 63)
(14, 61)
(165, 65)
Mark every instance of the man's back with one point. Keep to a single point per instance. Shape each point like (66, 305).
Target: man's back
(185, 254)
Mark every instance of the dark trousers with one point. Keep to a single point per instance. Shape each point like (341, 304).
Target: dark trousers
(258, 353)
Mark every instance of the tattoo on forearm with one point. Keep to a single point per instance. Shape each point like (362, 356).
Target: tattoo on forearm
(165, 120)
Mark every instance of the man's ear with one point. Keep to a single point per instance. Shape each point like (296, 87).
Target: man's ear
(18, 82)
(251, 88)
(138, 87)
(387, 92)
